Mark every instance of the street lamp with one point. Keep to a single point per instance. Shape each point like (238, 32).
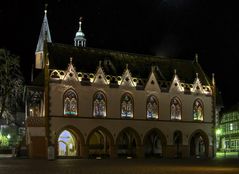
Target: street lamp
(218, 132)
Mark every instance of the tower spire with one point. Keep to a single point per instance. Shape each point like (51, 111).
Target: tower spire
(79, 39)
(45, 35)
(80, 21)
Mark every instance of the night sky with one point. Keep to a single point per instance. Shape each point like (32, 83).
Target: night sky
(167, 28)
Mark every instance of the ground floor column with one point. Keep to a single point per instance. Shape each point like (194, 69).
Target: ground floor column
(140, 151)
(113, 151)
(84, 151)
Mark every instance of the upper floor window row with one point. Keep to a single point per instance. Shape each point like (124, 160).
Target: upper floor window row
(127, 106)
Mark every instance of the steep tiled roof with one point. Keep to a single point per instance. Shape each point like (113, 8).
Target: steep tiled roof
(86, 59)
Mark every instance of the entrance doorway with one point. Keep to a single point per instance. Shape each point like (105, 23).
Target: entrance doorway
(67, 144)
(199, 145)
(154, 144)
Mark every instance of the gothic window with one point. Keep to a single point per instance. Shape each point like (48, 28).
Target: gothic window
(152, 107)
(35, 104)
(70, 102)
(198, 110)
(175, 109)
(127, 106)
(99, 105)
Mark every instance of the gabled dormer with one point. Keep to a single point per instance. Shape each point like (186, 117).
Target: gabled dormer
(176, 85)
(70, 73)
(152, 83)
(100, 77)
(45, 36)
(127, 79)
(197, 86)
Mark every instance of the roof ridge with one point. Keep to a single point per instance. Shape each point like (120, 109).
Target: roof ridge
(128, 53)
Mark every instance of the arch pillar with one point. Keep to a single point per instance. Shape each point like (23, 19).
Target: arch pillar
(84, 152)
(113, 151)
(140, 151)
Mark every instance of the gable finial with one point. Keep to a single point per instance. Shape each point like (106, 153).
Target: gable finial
(175, 71)
(127, 65)
(196, 57)
(197, 75)
(71, 60)
(99, 63)
(213, 79)
(152, 68)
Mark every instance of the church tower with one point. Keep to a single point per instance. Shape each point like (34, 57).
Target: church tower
(44, 36)
(79, 39)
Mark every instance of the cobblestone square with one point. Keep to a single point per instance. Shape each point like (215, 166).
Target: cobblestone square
(118, 166)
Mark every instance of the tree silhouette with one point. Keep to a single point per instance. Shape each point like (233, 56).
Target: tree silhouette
(11, 86)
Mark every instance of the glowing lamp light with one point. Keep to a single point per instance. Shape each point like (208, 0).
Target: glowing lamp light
(218, 131)
(8, 136)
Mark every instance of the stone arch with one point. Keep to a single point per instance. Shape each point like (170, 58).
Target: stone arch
(128, 143)
(78, 140)
(100, 142)
(199, 144)
(155, 143)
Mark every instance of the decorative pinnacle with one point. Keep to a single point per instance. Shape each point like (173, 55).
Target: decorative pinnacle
(71, 60)
(197, 75)
(45, 8)
(196, 57)
(127, 65)
(213, 78)
(80, 21)
(175, 71)
(100, 63)
(152, 68)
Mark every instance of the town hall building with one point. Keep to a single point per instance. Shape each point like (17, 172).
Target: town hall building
(95, 103)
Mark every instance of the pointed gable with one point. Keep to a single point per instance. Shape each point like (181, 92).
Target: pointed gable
(70, 73)
(197, 86)
(176, 84)
(127, 79)
(152, 83)
(100, 77)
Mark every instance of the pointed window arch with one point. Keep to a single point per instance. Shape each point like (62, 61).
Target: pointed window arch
(70, 102)
(99, 104)
(127, 106)
(198, 113)
(152, 107)
(175, 109)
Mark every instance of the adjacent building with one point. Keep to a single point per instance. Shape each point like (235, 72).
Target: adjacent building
(87, 102)
(229, 130)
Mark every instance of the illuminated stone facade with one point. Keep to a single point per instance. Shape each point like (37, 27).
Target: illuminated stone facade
(89, 102)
